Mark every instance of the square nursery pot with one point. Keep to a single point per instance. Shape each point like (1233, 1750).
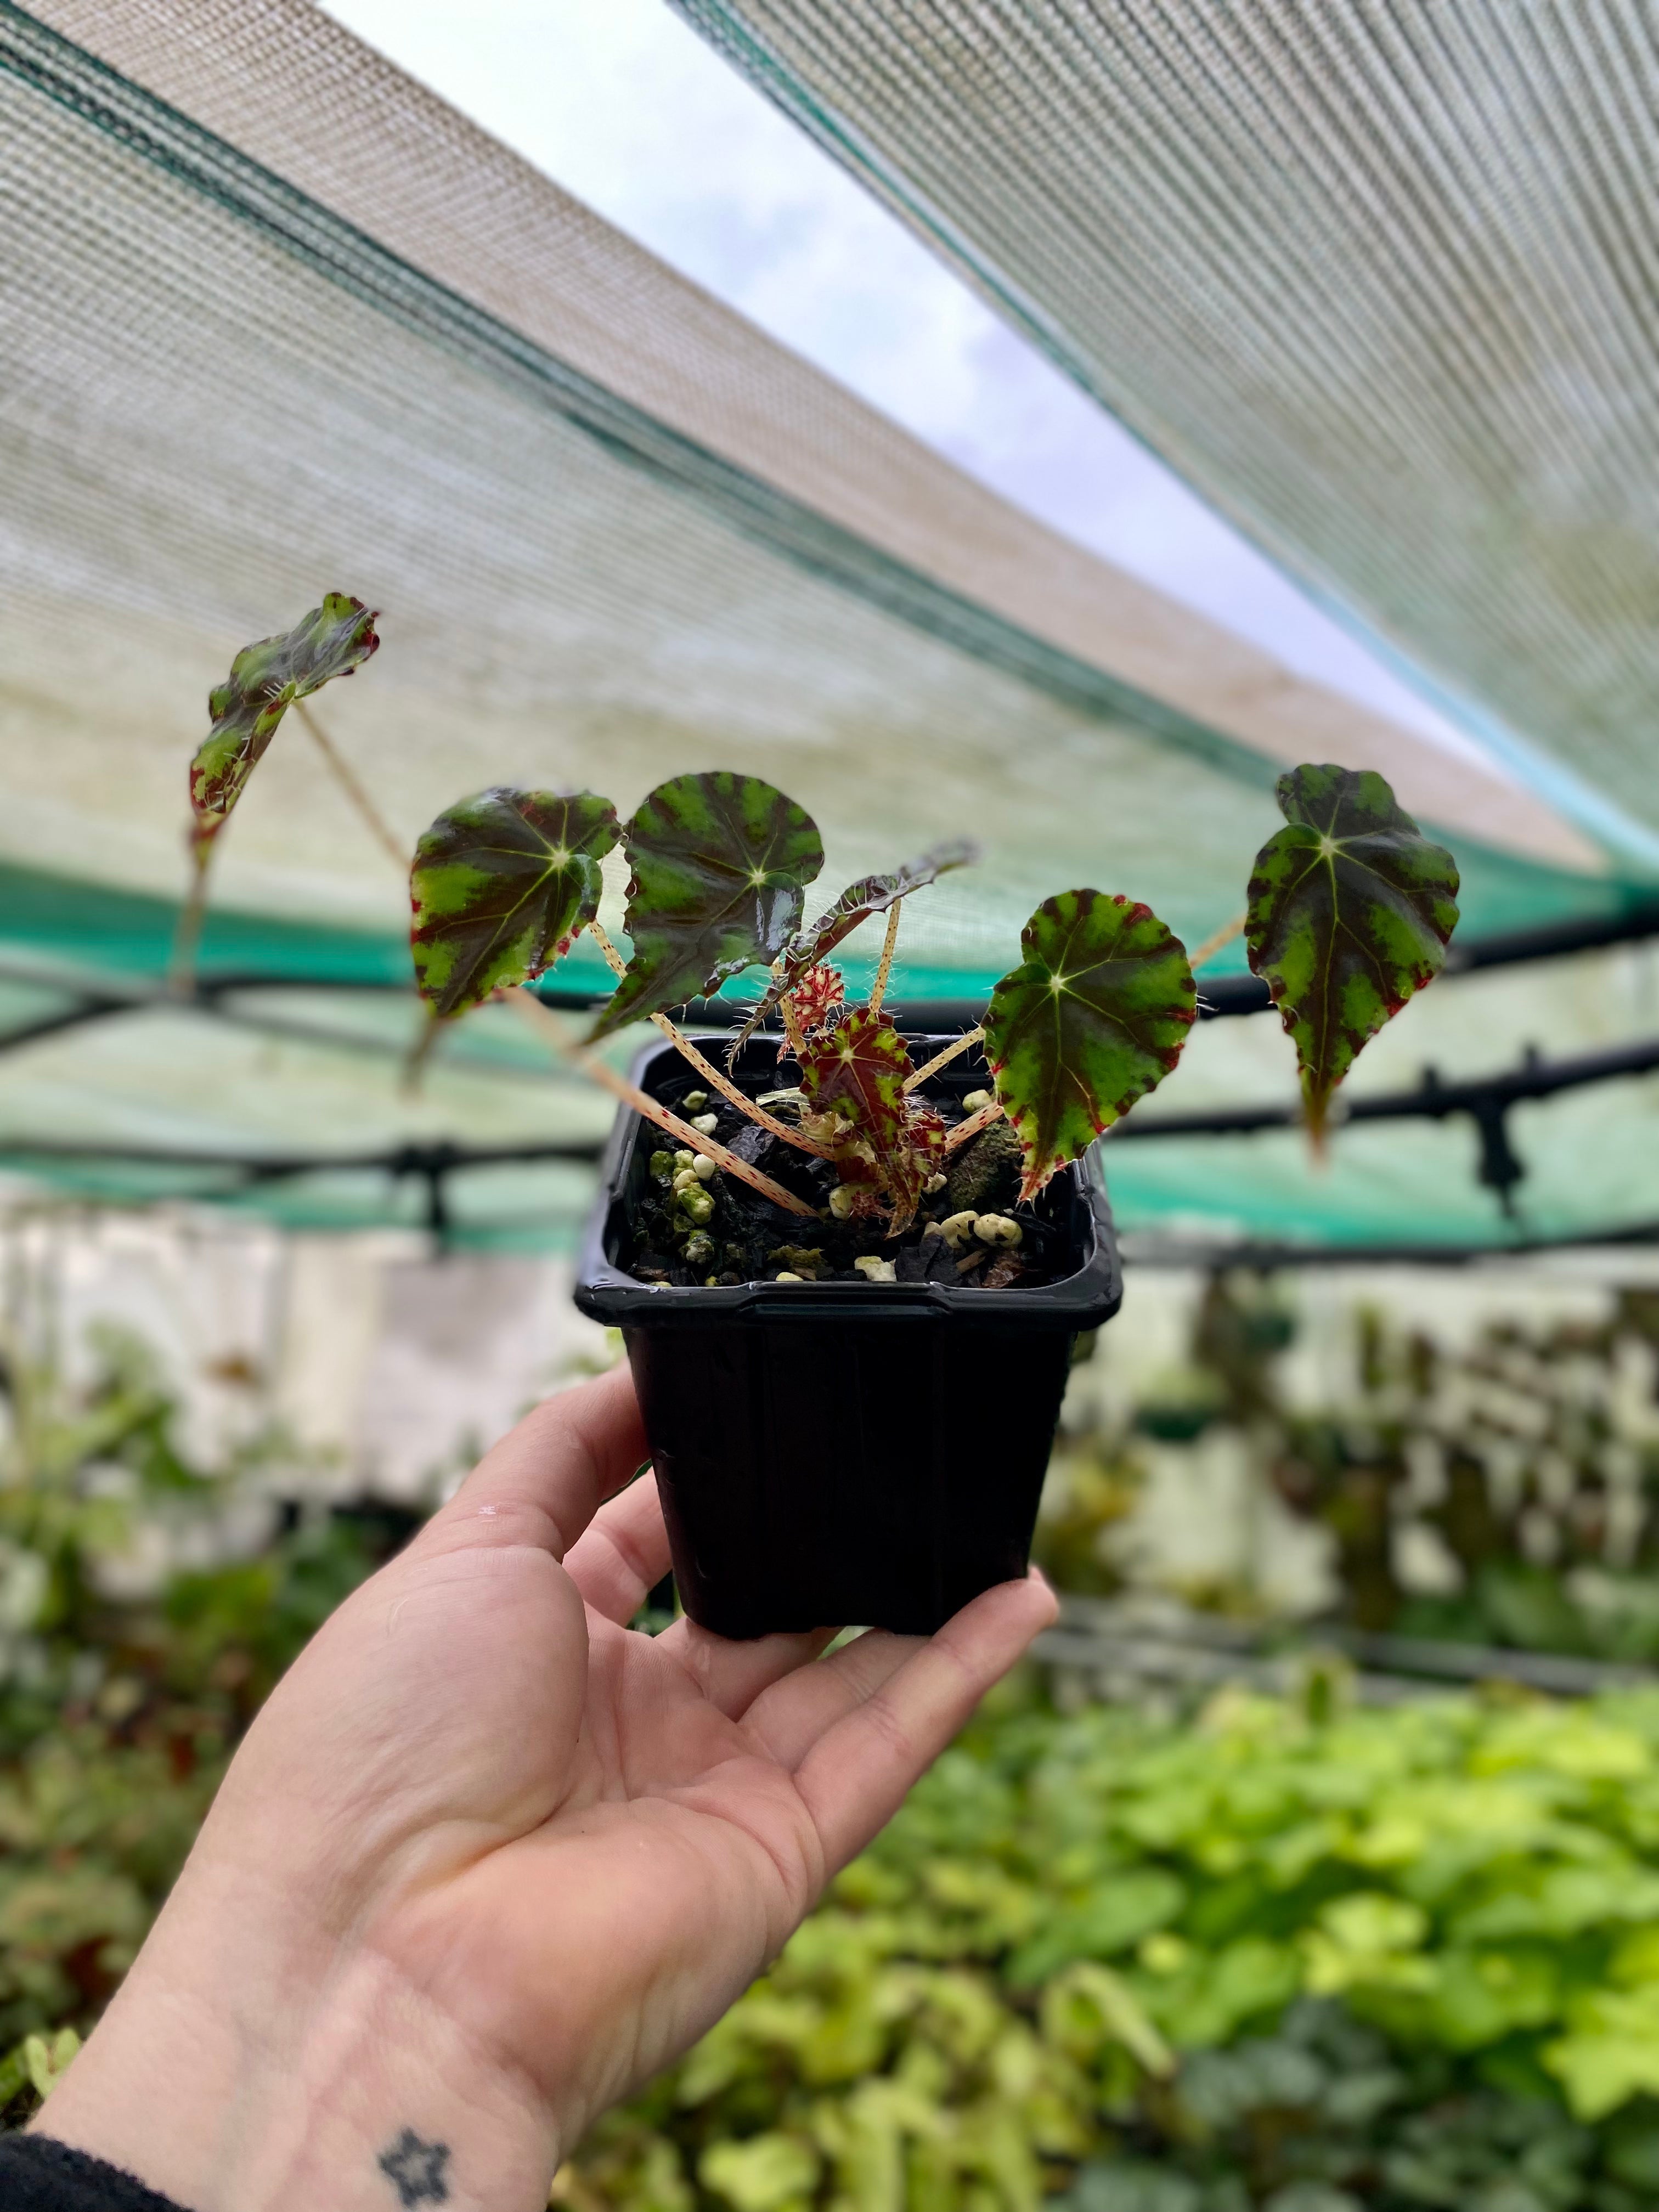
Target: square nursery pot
(835, 1453)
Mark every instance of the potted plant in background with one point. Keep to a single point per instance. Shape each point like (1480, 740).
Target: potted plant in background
(849, 1261)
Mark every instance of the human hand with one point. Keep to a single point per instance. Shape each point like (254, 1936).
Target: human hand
(487, 1860)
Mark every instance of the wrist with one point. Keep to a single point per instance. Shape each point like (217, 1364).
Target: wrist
(282, 2075)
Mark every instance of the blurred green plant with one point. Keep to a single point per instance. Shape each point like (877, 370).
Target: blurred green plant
(1265, 1963)
(1277, 1956)
(117, 1713)
(1094, 1483)
(1528, 1460)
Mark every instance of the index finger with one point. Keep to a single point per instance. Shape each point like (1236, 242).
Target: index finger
(854, 1776)
(544, 1482)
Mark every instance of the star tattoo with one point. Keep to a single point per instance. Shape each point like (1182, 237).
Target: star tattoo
(415, 2169)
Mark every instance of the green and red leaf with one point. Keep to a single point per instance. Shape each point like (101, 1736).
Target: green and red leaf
(720, 865)
(501, 886)
(264, 681)
(856, 1071)
(853, 1075)
(1351, 911)
(1094, 1016)
(869, 895)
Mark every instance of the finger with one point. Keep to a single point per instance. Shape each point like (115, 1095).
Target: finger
(855, 1776)
(623, 1554)
(543, 1484)
(732, 1676)
(788, 1719)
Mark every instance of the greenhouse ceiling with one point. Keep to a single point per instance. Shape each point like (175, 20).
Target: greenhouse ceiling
(280, 322)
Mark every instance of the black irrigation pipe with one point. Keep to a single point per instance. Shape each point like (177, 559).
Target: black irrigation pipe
(1106, 1639)
(433, 1163)
(84, 1010)
(274, 1167)
(1118, 1668)
(1550, 940)
(1149, 1250)
(207, 997)
(1486, 1100)
(942, 1014)
(1219, 995)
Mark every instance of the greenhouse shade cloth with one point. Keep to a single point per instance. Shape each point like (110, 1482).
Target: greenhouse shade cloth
(1377, 278)
(279, 321)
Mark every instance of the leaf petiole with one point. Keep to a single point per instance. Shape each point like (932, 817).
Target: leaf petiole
(879, 988)
(555, 1033)
(355, 789)
(971, 1127)
(1219, 942)
(707, 1068)
(187, 937)
(968, 1037)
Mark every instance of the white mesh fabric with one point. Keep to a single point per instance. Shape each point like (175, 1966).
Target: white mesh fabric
(1378, 278)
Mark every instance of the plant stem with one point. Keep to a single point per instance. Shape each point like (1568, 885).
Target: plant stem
(965, 1130)
(879, 988)
(419, 1053)
(745, 1104)
(555, 1033)
(354, 788)
(943, 1059)
(187, 937)
(709, 1073)
(1219, 942)
(613, 959)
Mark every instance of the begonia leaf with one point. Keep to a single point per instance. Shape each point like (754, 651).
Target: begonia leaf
(264, 681)
(1094, 1016)
(1351, 911)
(854, 1074)
(721, 865)
(869, 895)
(501, 885)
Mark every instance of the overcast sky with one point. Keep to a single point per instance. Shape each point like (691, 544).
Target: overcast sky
(628, 109)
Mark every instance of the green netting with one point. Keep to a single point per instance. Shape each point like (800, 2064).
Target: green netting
(1379, 279)
(224, 396)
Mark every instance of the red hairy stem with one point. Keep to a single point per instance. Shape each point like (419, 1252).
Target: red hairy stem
(968, 1038)
(965, 1130)
(878, 989)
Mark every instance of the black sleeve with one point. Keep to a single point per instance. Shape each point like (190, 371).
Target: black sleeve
(40, 2175)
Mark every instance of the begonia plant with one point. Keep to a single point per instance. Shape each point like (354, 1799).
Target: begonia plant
(1349, 911)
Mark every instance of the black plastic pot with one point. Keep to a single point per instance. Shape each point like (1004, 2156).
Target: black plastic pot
(841, 1452)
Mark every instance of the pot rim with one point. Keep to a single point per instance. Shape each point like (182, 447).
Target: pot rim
(1079, 1300)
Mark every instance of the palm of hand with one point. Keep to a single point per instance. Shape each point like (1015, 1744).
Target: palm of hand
(486, 1859)
(588, 1841)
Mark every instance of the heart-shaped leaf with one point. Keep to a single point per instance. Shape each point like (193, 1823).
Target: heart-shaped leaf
(502, 883)
(721, 865)
(869, 895)
(854, 1074)
(1350, 910)
(1094, 1016)
(264, 681)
